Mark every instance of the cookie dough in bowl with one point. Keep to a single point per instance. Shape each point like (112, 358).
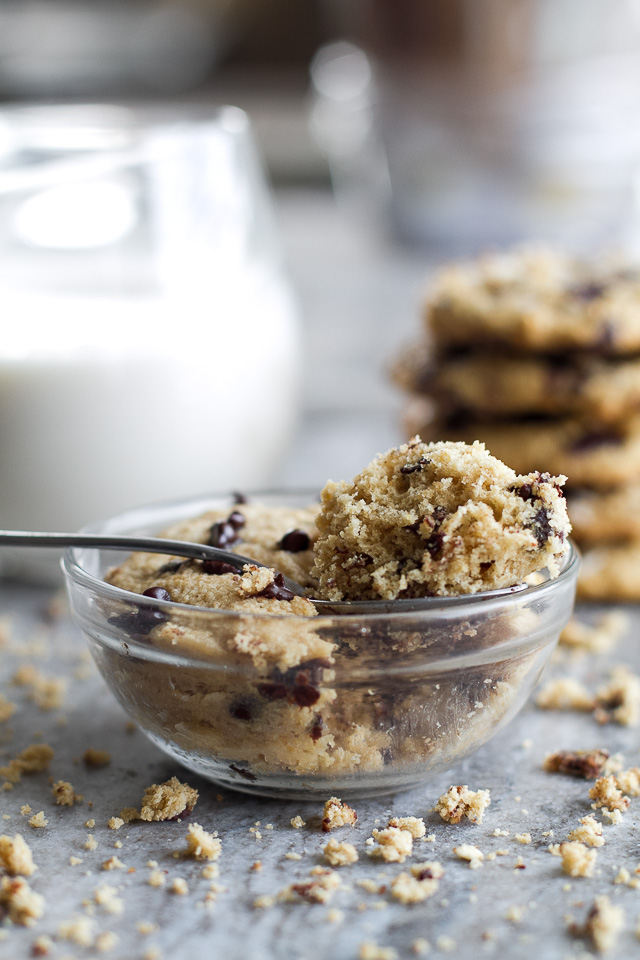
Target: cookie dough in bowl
(256, 688)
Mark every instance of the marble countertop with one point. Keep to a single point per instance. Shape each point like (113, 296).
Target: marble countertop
(359, 296)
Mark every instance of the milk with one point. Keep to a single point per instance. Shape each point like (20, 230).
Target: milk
(111, 402)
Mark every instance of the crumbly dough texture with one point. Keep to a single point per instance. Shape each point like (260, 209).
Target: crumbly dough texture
(536, 299)
(437, 519)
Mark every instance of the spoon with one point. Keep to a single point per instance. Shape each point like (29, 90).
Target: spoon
(202, 551)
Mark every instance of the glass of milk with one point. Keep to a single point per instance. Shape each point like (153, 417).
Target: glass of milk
(150, 343)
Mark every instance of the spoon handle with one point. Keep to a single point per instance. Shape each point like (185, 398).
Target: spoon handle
(178, 548)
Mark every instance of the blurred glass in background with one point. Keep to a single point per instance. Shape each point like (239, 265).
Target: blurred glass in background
(487, 121)
(150, 344)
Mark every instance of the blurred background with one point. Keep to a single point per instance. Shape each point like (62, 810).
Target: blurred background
(382, 138)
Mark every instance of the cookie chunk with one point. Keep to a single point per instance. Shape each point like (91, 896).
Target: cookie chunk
(597, 457)
(611, 573)
(437, 519)
(536, 300)
(606, 515)
(489, 386)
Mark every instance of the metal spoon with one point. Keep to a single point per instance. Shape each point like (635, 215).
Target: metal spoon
(202, 551)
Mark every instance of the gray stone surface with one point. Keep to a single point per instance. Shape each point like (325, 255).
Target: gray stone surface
(470, 907)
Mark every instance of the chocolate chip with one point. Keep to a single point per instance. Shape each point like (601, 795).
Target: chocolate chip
(586, 292)
(158, 593)
(595, 439)
(240, 711)
(297, 685)
(540, 526)
(242, 773)
(217, 567)
(222, 535)
(141, 622)
(236, 519)
(433, 545)
(525, 491)
(276, 590)
(415, 467)
(295, 541)
(316, 728)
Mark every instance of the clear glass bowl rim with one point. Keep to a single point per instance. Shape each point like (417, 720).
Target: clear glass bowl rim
(467, 604)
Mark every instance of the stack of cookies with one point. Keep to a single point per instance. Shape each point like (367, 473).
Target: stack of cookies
(538, 355)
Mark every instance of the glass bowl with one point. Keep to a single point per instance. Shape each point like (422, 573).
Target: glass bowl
(363, 704)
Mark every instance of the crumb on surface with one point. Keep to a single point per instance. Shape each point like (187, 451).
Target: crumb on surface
(23, 905)
(415, 825)
(600, 637)
(523, 837)
(407, 888)
(629, 781)
(339, 854)
(79, 930)
(565, 693)
(321, 886)
(369, 950)
(90, 843)
(7, 709)
(107, 898)
(157, 878)
(589, 832)
(604, 923)
(202, 845)
(38, 820)
(471, 853)
(391, 845)
(15, 856)
(113, 863)
(297, 822)
(588, 764)
(33, 759)
(337, 814)
(606, 794)
(164, 801)
(618, 701)
(96, 758)
(180, 886)
(64, 794)
(115, 823)
(461, 802)
(577, 859)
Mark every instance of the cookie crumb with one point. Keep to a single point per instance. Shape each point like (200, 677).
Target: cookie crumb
(166, 801)
(96, 758)
(106, 941)
(75, 861)
(38, 820)
(523, 837)
(604, 923)
(157, 878)
(577, 859)
(79, 930)
(90, 843)
(179, 885)
(391, 845)
(33, 759)
(369, 950)
(337, 814)
(202, 845)
(471, 853)
(340, 854)
(65, 795)
(589, 832)
(415, 825)
(107, 897)
(113, 863)
(629, 781)
(606, 794)
(460, 802)
(565, 693)
(599, 638)
(319, 889)
(588, 764)
(115, 823)
(619, 700)
(15, 856)
(23, 905)
(42, 946)
(412, 888)
(297, 822)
